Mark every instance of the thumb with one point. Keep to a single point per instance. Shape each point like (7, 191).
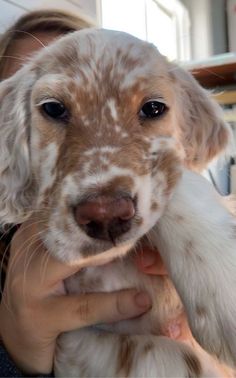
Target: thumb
(149, 261)
(70, 312)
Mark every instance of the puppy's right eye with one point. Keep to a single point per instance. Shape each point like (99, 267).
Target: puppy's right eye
(55, 109)
(152, 109)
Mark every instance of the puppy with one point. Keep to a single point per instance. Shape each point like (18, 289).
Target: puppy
(103, 138)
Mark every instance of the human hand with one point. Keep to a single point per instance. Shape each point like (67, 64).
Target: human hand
(149, 261)
(35, 309)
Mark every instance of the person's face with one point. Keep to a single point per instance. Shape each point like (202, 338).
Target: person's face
(22, 48)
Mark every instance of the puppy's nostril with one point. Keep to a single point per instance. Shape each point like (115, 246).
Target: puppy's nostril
(94, 229)
(105, 217)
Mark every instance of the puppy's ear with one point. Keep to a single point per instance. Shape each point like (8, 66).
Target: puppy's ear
(16, 181)
(202, 130)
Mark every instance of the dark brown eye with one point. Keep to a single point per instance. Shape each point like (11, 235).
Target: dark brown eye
(55, 110)
(152, 109)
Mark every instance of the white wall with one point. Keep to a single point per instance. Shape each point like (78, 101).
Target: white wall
(208, 27)
(231, 8)
(201, 29)
(10, 10)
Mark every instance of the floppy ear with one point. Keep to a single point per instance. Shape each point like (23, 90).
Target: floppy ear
(203, 132)
(16, 181)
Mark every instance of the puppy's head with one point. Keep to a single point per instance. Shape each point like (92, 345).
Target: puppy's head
(93, 134)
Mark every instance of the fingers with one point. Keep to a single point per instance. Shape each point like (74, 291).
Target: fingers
(84, 310)
(149, 261)
(30, 260)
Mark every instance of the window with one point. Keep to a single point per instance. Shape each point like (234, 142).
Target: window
(164, 23)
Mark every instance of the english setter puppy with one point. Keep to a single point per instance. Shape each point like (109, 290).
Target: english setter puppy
(104, 138)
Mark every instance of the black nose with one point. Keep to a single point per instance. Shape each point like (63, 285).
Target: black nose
(105, 217)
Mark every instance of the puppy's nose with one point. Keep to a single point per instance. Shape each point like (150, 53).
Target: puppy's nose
(105, 217)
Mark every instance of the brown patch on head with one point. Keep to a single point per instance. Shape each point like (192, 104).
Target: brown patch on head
(154, 206)
(193, 365)
(201, 311)
(189, 247)
(118, 184)
(233, 231)
(138, 220)
(190, 251)
(104, 167)
(148, 347)
(168, 163)
(178, 218)
(125, 355)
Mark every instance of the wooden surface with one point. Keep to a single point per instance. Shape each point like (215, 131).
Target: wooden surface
(215, 72)
(226, 97)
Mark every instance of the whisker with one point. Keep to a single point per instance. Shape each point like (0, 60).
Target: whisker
(29, 34)
(2, 270)
(24, 60)
(14, 57)
(18, 255)
(43, 267)
(27, 262)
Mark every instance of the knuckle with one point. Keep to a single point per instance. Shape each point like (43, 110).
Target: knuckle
(120, 308)
(83, 310)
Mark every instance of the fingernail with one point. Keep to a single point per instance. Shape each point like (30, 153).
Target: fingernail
(148, 259)
(143, 300)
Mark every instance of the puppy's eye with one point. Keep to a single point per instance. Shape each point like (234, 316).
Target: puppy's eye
(152, 109)
(55, 110)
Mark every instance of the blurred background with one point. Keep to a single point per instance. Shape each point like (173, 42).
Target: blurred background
(198, 34)
(182, 29)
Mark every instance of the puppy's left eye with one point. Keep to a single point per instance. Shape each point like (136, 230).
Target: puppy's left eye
(152, 109)
(55, 110)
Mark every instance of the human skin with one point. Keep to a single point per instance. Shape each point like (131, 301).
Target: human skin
(149, 261)
(22, 48)
(35, 308)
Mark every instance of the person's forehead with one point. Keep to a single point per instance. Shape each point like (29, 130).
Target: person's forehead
(20, 49)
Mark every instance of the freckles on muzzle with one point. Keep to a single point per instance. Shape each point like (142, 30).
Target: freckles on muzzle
(106, 217)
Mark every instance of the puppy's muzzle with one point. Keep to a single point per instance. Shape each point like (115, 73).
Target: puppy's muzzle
(105, 217)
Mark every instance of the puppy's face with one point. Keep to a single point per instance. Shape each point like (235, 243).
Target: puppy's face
(106, 140)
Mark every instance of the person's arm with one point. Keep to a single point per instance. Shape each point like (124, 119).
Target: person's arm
(35, 309)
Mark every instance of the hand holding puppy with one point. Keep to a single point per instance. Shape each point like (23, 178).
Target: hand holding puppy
(35, 308)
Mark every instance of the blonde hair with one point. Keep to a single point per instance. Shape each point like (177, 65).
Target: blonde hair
(43, 20)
